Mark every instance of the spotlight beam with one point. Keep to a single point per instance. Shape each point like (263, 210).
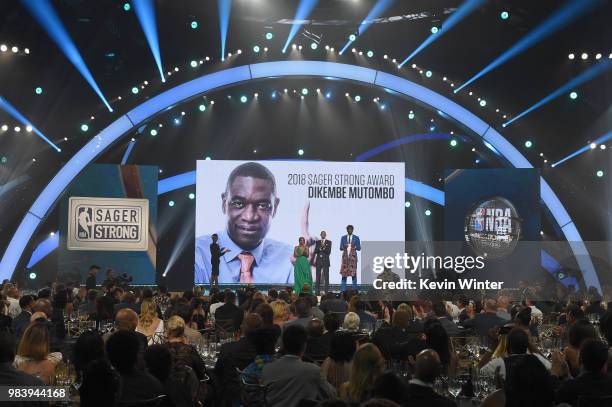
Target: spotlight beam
(10, 109)
(380, 7)
(45, 14)
(225, 8)
(304, 9)
(145, 11)
(571, 11)
(462, 12)
(573, 83)
(600, 140)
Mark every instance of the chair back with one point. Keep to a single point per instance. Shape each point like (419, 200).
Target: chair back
(252, 392)
(224, 328)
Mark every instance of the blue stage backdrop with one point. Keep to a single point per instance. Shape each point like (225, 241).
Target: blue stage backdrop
(496, 213)
(121, 232)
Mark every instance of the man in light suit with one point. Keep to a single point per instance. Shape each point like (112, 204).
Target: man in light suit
(349, 246)
(322, 251)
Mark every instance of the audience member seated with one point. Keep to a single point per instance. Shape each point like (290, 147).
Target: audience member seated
(21, 321)
(517, 343)
(180, 385)
(122, 350)
(149, 323)
(9, 376)
(420, 392)
(389, 339)
(485, 322)
(317, 346)
(100, 386)
(333, 303)
(337, 366)
(183, 310)
(229, 312)
(88, 347)
(523, 375)
(280, 312)
(442, 316)
(183, 353)
(303, 313)
(33, 356)
(593, 381)
(351, 322)
(389, 386)
(291, 380)
(88, 307)
(266, 312)
(367, 365)
(578, 333)
(12, 296)
(263, 340)
(128, 300)
(367, 321)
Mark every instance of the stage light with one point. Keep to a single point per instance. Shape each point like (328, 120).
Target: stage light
(194, 64)
(182, 113)
(84, 127)
(573, 95)
(304, 91)
(477, 161)
(483, 103)
(427, 212)
(610, 56)
(171, 203)
(3, 48)
(224, 8)
(299, 47)
(598, 56)
(383, 106)
(202, 108)
(191, 195)
(528, 144)
(432, 128)
(328, 95)
(504, 15)
(584, 56)
(314, 45)
(32, 276)
(357, 98)
(177, 121)
(194, 24)
(243, 99)
(265, 49)
(407, 204)
(599, 173)
(352, 37)
(428, 74)
(300, 152)
(269, 36)
(593, 146)
(153, 132)
(15, 49)
(370, 54)
(17, 129)
(127, 7)
(571, 56)
(207, 158)
(411, 115)
(453, 143)
(273, 95)
(255, 95)
(603, 146)
(434, 30)
(135, 90)
(256, 49)
(4, 127)
(3, 160)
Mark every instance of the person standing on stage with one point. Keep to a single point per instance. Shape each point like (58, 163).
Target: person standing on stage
(321, 261)
(349, 245)
(215, 255)
(301, 269)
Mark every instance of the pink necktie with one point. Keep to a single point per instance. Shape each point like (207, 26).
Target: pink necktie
(246, 263)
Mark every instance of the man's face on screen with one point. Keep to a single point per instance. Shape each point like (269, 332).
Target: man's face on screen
(249, 205)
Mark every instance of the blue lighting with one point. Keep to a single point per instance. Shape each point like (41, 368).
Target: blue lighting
(600, 140)
(379, 8)
(274, 94)
(43, 249)
(124, 124)
(568, 13)
(45, 14)
(193, 64)
(328, 95)
(11, 110)
(225, 8)
(127, 7)
(269, 36)
(303, 11)
(145, 11)
(357, 98)
(585, 76)
(477, 161)
(370, 54)
(573, 95)
(135, 90)
(463, 11)
(38, 90)
(171, 204)
(194, 25)
(177, 121)
(84, 127)
(243, 99)
(432, 128)
(153, 132)
(256, 48)
(504, 15)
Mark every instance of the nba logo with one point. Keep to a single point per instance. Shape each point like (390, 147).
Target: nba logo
(479, 220)
(84, 222)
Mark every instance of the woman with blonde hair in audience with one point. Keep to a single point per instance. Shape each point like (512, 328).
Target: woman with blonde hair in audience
(33, 356)
(351, 322)
(280, 311)
(148, 323)
(183, 354)
(367, 365)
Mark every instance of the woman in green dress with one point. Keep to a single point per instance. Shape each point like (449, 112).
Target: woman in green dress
(301, 269)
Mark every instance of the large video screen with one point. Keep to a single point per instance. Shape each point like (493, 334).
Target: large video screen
(263, 208)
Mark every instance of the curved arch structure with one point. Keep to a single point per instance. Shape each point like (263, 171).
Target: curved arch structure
(390, 83)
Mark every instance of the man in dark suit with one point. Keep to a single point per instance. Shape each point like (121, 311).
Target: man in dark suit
(229, 312)
(321, 260)
(215, 258)
(420, 392)
(90, 283)
(486, 321)
(21, 321)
